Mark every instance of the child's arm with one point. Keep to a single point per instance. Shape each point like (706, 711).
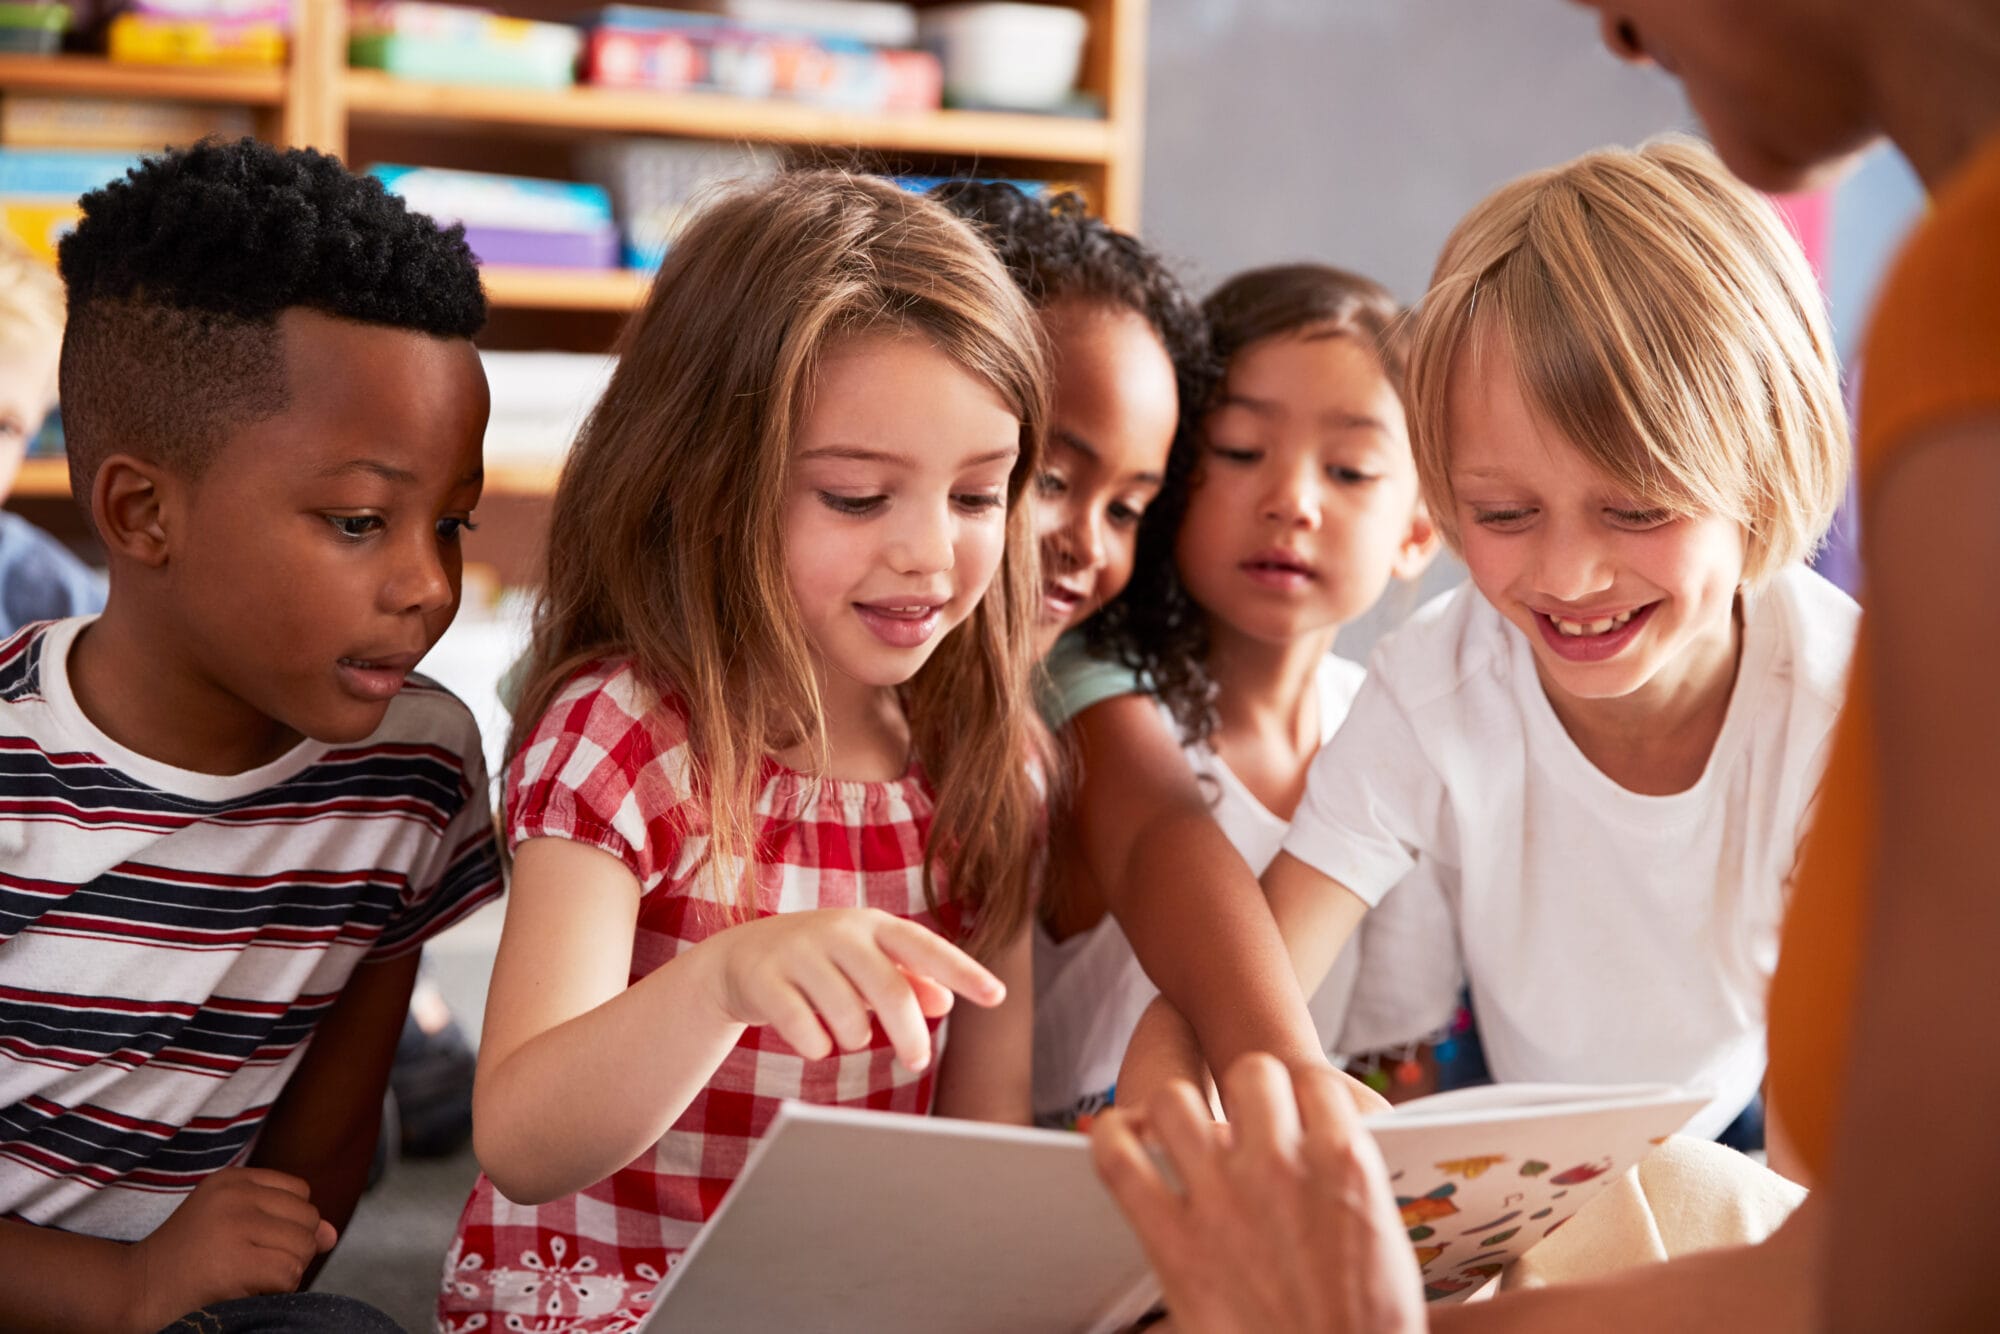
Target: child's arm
(986, 1070)
(579, 1073)
(1315, 915)
(323, 1127)
(1182, 894)
(242, 1232)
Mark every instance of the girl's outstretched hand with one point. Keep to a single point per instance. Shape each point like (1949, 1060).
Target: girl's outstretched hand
(1283, 1221)
(822, 972)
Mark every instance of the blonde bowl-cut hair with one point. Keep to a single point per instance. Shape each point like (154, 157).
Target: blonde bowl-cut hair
(1664, 320)
(32, 305)
(666, 545)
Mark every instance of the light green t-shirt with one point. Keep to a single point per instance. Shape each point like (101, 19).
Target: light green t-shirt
(1073, 680)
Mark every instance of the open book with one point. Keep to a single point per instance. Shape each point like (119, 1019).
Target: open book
(879, 1223)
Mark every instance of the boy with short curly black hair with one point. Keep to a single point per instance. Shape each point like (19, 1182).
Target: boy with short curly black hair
(233, 814)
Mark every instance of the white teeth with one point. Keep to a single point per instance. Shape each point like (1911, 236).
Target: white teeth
(1603, 625)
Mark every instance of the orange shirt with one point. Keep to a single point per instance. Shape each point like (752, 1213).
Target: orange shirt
(1932, 354)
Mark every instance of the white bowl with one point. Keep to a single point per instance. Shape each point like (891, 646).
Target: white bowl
(1016, 56)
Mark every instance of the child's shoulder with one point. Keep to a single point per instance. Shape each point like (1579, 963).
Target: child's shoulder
(1818, 625)
(427, 712)
(22, 659)
(606, 713)
(1454, 640)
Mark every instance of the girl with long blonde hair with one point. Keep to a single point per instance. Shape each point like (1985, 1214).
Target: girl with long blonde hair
(775, 752)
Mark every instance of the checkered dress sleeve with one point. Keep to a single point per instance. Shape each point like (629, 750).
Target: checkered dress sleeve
(608, 765)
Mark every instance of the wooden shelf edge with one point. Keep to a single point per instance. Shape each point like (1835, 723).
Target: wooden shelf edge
(96, 76)
(517, 287)
(373, 95)
(42, 479)
(522, 479)
(48, 479)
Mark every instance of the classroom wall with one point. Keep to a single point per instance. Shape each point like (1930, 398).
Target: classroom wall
(1358, 131)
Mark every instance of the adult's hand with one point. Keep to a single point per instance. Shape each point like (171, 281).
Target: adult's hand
(1283, 1221)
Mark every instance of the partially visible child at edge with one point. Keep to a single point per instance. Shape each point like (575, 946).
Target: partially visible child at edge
(1135, 831)
(1595, 760)
(39, 579)
(1302, 508)
(775, 755)
(234, 813)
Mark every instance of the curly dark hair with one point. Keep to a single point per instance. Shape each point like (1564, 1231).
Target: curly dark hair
(1057, 251)
(178, 272)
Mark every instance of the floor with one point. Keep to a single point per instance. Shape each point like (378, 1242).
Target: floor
(393, 1252)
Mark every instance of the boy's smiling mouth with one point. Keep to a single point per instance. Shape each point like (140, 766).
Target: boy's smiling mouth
(1594, 637)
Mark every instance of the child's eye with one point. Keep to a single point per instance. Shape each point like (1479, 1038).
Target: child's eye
(980, 502)
(355, 526)
(840, 504)
(451, 529)
(1050, 484)
(1125, 516)
(1501, 520)
(1651, 518)
(1235, 455)
(1350, 476)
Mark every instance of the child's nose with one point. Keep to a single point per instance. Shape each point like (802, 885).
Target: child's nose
(1294, 497)
(923, 545)
(1084, 540)
(1570, 567)
(424, 581)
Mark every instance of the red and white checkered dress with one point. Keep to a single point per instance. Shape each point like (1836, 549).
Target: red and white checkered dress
(609, 765)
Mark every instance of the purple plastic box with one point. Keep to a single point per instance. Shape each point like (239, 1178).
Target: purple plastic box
(557, 250)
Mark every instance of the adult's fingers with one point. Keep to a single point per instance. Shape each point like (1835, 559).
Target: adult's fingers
(1189, 1136)
(925, 952)
(1150, 1204)
(1263, 1114)
(1334, 1136)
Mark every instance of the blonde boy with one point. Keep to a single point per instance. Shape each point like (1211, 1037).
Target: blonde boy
(1589, 768)
(39, 579)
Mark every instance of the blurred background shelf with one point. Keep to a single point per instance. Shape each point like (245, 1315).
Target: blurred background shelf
(381, 100)
(48, 479)
(94, 76)
(513, 287)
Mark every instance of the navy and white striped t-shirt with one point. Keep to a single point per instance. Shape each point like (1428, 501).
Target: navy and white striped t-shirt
(169, 940)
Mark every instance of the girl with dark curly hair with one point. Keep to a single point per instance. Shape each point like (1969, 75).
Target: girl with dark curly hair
(1140, 870)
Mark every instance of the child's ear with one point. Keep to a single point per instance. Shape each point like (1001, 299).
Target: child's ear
(127, 505)
(1419, 545)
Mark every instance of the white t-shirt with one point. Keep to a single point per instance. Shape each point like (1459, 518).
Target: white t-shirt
(1090, 989)
(1608, 937)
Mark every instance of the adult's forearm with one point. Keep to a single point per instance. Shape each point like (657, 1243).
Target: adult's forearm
(1763, 1289)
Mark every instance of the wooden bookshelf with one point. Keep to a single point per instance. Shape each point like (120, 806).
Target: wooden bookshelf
(316, 100)
(48, 479)
(94, 76)
(516, 288)
(42, 479)
(380, 99)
